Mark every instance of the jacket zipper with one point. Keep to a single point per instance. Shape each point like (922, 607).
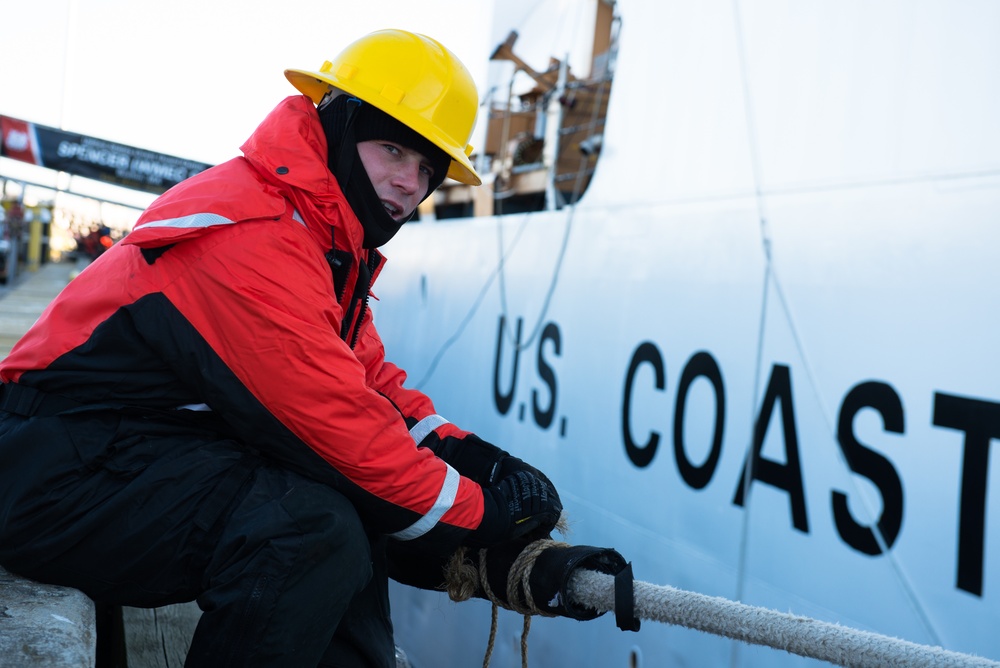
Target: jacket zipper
(371, 265)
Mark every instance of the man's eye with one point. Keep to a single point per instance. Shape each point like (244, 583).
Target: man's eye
(428, 171)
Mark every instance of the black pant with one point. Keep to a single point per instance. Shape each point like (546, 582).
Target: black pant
(144, 513)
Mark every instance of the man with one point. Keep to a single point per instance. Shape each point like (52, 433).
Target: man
(206, 413)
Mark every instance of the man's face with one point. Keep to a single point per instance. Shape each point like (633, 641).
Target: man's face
(400, 175)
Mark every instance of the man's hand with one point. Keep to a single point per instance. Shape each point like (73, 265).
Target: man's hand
(520, 504)
(550, 575)
(471, 456)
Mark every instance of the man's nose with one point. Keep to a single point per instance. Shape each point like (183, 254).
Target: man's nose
(407, 177)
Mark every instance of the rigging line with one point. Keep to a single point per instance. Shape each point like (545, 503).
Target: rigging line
(557, 270)
(576, 194)
(477, 302)
(771, 272)
(748, 468)
(759, 363)
(876, 530)
(499, 273)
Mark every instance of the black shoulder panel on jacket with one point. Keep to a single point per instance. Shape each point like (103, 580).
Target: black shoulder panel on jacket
(151, 255)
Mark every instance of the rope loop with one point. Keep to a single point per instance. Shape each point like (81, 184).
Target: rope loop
(463, 579)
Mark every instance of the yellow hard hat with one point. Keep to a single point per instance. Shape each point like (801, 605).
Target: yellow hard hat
(414, 79)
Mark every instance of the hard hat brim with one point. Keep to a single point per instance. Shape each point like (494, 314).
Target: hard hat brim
(316, 85)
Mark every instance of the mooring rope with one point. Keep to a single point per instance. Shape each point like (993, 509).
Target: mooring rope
(833, 643)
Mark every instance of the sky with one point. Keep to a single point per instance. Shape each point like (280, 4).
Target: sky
(194, 78)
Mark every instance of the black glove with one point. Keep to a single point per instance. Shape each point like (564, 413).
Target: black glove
(510, 465)
(550, 574)
(471, 456)
(479, 460)
(549, 578)
(519, 505)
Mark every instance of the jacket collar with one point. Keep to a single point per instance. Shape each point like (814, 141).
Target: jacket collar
(289, 150)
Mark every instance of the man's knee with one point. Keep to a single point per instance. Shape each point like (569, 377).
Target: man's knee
(332, 531)
(291, 558)
(294, 526)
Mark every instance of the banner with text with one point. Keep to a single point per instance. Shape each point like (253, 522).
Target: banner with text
(93, 158)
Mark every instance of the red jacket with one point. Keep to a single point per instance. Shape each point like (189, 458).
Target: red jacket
(226, 295)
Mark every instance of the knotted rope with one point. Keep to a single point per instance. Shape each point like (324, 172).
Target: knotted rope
(463, 580)
(803, 636)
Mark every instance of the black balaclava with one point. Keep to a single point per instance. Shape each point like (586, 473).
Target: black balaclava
(347, 121)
